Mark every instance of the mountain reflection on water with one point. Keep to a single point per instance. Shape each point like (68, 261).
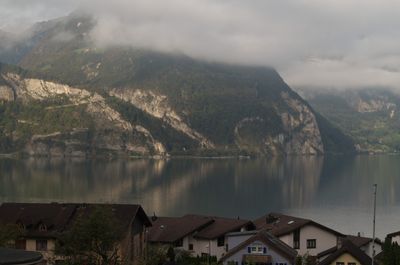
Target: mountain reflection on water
(335, 190)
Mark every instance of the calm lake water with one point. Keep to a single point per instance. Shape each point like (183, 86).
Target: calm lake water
(336, 191)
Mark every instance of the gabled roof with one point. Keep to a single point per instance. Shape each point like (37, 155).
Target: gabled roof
(394, 234)
(58, 217)
(349, 248)
(280, 224)
(361, 241)
(124, 213)
(358, 241)
(221, 226)
(19, 257)
(172, 229)
(55, 216)
(268, 239)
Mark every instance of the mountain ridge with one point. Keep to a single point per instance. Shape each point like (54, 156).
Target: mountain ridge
(190, 106)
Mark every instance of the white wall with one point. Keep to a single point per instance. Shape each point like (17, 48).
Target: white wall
(276, 258)
(368, 249)
(324, 239)
(396, 239)
(47, 255)
(235, 239)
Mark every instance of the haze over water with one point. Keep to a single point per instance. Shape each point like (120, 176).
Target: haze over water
(334, 190)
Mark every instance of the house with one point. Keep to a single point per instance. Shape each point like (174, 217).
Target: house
(394, 237)
(261, 248)
(43, 222)
(347, 254)
(303, 235)
(200, 235)
(366, 244)
(363, 243)
(19, 257)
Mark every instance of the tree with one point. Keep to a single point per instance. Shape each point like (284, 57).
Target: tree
(8, 234)
(156, 255)
(171, 254)
(391, 253)
(92, 240)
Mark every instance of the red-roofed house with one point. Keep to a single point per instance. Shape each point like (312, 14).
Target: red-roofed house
(303, 235)
(200, 235)
(42, 222)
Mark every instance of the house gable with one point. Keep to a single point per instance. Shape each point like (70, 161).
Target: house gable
(262, 244)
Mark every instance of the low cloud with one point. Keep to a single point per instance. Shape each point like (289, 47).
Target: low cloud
(331, 43)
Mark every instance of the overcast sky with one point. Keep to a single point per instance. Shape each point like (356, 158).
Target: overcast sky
(322, 43)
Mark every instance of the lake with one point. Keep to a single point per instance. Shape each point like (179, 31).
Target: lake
(334, 190)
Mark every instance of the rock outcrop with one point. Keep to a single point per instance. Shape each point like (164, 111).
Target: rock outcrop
(113, 134)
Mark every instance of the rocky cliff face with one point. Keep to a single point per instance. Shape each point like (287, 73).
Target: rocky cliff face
(112, 134)
(369, 116)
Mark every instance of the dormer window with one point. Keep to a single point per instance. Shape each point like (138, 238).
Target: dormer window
(42, 227)
(21, 225)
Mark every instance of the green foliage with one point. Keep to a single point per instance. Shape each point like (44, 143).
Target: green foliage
(391, 253)
(19, 121)
(92, 239)
(8, 234)
(184, 258)
(156, 255)
(375, 130)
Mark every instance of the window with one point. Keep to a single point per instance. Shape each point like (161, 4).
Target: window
(226, 248)
(339, 263)
(257, 249)
(41, 245)
(20, 244)
(296, 239)
(42, 227)
(221, 241)
(179, 243)
(190, 246)
(351, 263)
(311, 243)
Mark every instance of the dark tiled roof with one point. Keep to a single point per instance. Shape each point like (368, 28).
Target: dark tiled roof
(124, 213)
(19, 257)
(268, 239)
(172, 229)
(58, 217)
(53, 215)
(280, 224)
(358, 241)
(394, 234)
(221, 226)
(350, 248)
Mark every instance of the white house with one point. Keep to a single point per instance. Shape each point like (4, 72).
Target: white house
(366, 244)
(303, 235)
(260, 248)
(200, 235)
(395, 237)
(346, 254)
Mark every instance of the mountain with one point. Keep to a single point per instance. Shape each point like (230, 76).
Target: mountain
(71, 97)
(369, 115)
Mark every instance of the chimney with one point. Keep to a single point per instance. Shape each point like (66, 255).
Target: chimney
(340, 242)
(154, 217)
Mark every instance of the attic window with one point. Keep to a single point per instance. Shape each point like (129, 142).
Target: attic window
(42, 227)
(257, 249)
(21, 225)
